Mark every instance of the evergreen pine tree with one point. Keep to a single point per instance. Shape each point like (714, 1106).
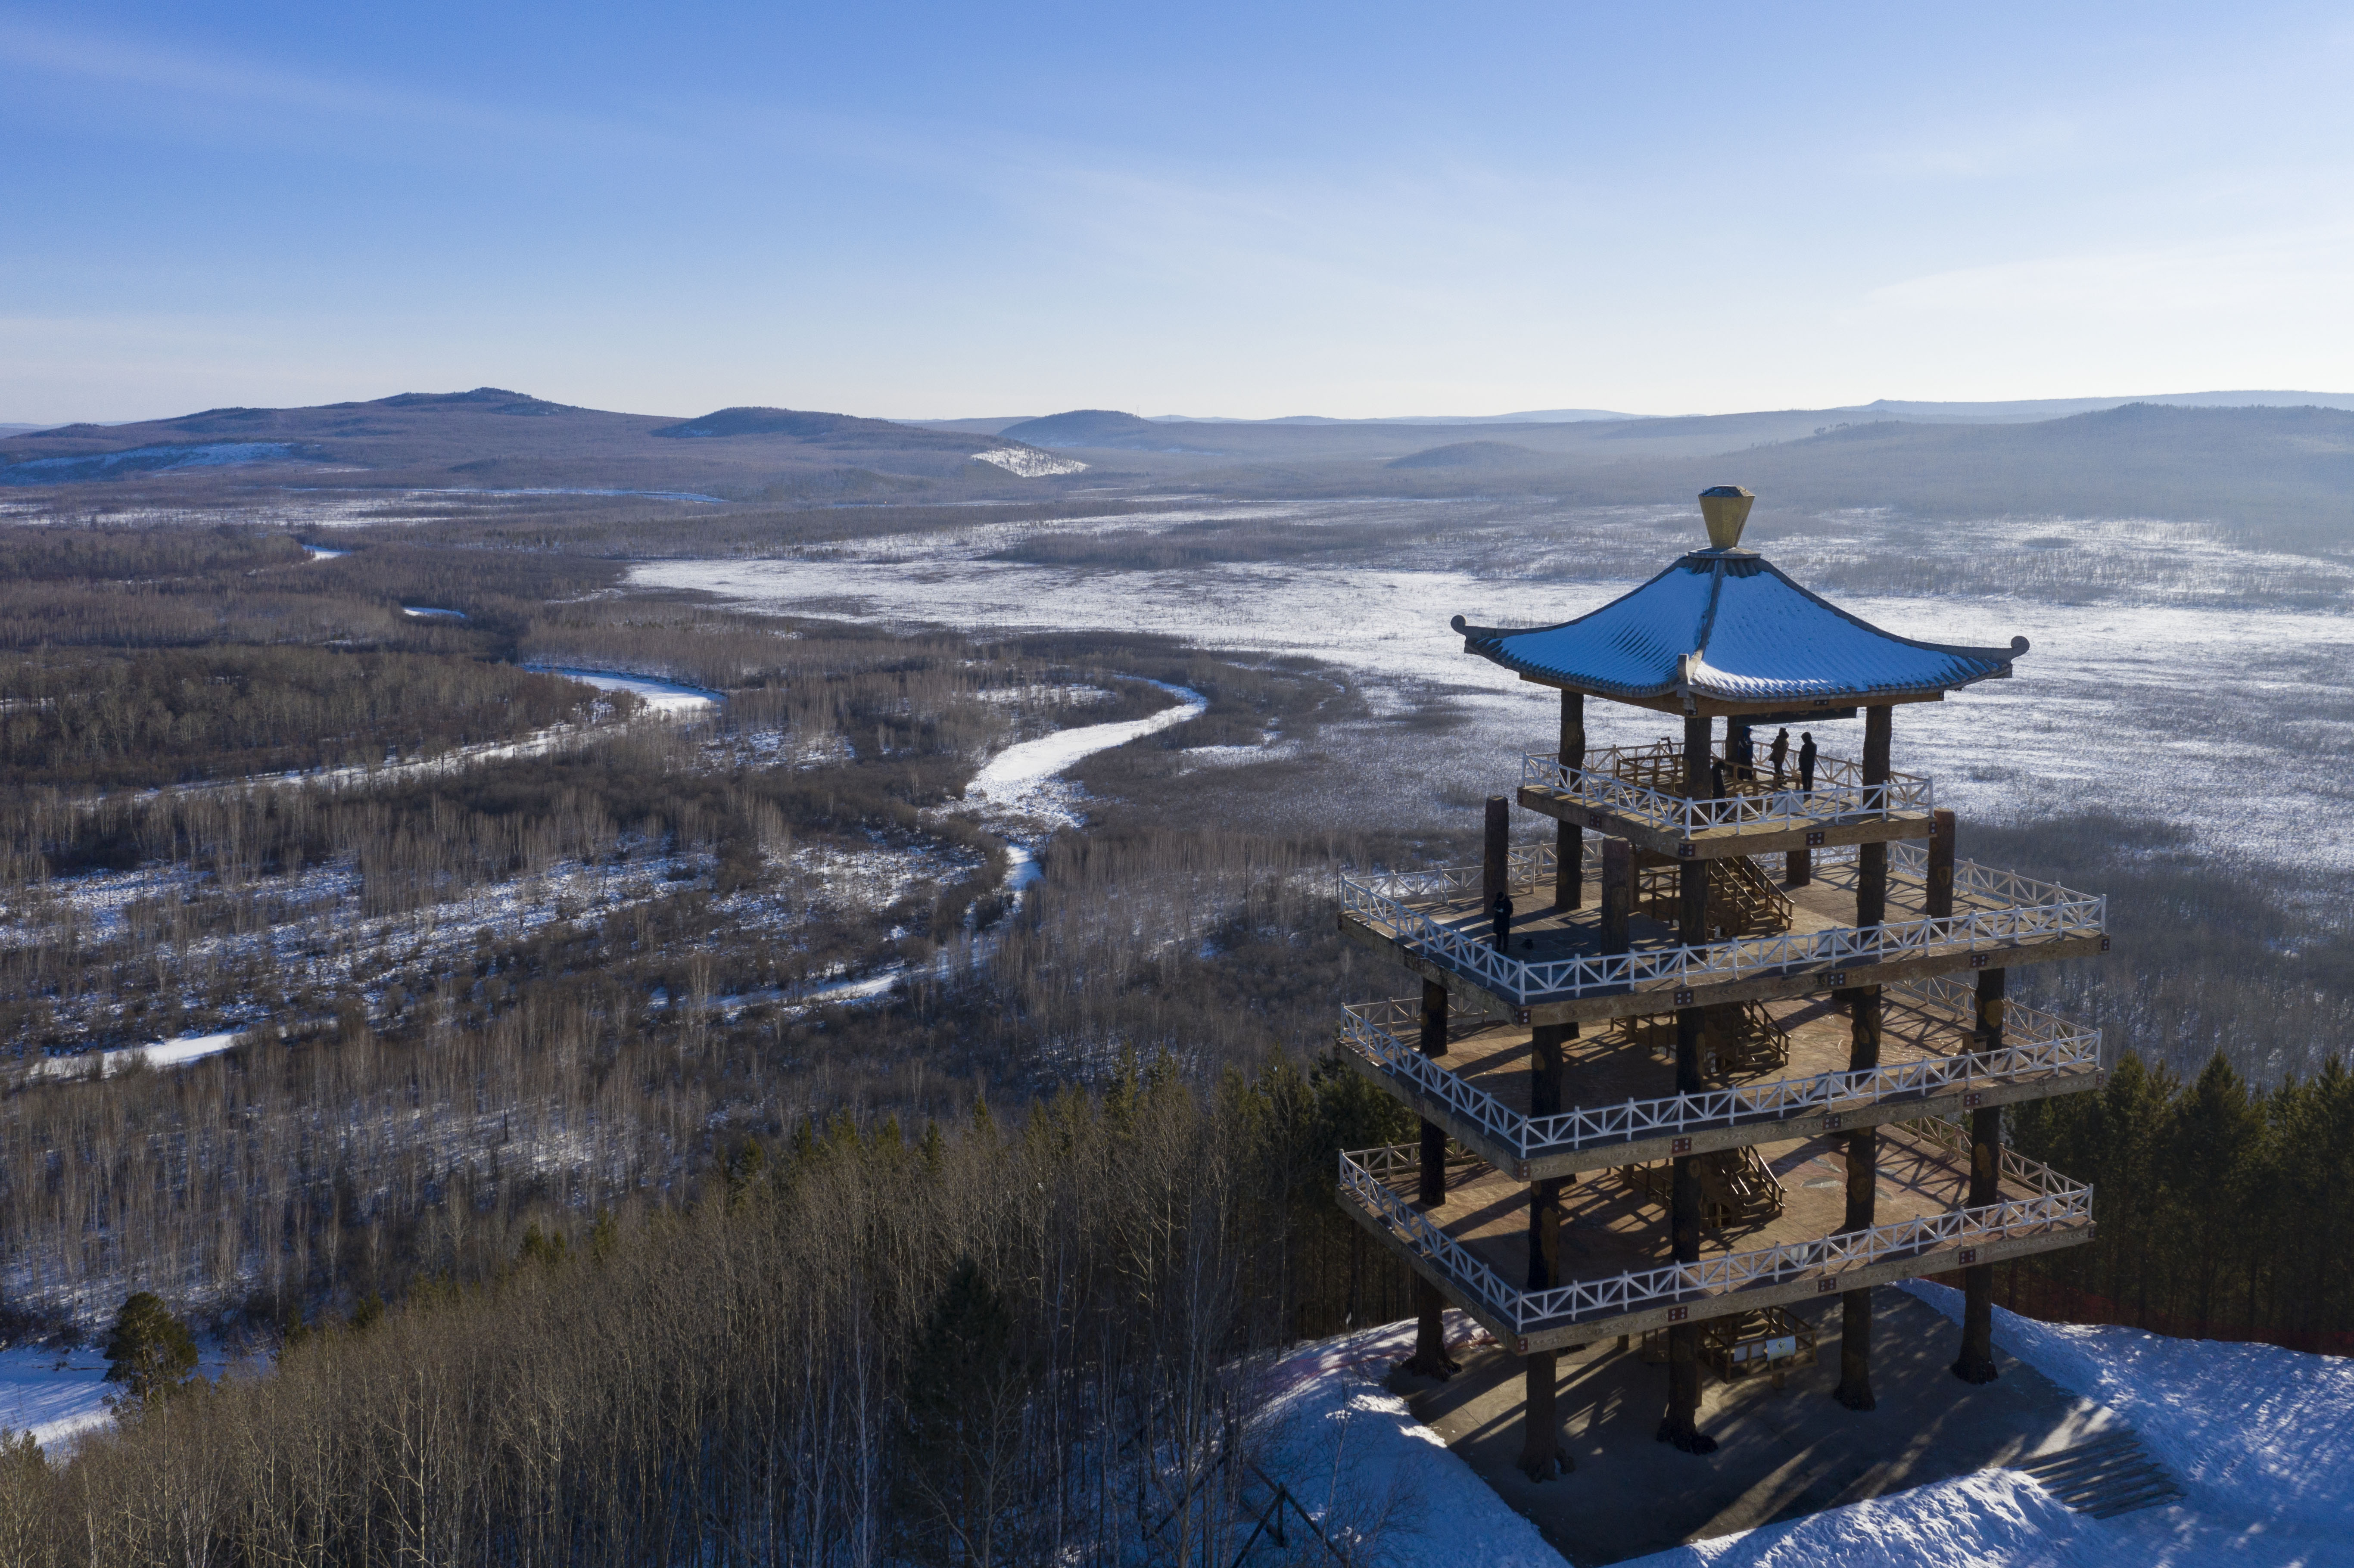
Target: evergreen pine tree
(151, 1353)
(965, 1394)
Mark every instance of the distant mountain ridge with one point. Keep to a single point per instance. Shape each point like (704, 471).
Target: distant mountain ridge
(1104, 428)
(2285, 470)
(1533, 417)
(493, 438)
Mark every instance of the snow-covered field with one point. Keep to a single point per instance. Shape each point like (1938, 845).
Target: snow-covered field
(2097, 718)
(2261, 1439)
(666, 699)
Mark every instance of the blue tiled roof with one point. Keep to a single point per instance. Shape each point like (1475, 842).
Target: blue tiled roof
(1753, 635)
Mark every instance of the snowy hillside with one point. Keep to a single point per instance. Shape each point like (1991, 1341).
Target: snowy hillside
(2261, 1438)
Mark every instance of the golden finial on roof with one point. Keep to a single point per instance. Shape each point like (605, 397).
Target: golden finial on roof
(1725, 509)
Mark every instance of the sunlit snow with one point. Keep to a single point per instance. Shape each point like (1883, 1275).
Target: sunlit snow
(1027, 463)
(177, 1052)
(2261, 1438)
(667, 698)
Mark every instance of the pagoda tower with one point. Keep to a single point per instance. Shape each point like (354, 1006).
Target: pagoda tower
(1737, 1037)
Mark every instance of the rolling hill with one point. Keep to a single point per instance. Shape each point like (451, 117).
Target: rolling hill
(491, 438)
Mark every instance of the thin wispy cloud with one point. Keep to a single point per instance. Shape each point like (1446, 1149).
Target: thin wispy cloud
(221, 79)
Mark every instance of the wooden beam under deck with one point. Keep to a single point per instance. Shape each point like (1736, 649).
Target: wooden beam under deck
(1711, 843)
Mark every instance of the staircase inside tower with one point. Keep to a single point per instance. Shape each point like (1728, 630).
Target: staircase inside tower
(1737, 1040)
(1742, 900)
(1737, 1189)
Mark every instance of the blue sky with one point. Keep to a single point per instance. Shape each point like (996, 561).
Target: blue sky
(1362, 210)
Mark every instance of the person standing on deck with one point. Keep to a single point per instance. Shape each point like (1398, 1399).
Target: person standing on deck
(1500, 913)
(1780, 753)
(1744, 753)
(1806, 760)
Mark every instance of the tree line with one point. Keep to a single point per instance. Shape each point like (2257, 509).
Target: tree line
(1011, 1344)
(78, 720)
(2225, 1209)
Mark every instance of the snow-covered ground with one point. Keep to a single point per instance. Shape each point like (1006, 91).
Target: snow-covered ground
(2262, 1440)
(667, 699)
(1025, 462)
(177, 1052)
(2094, 720)
(58, 1395)
(1356, 1459)
(431, 612)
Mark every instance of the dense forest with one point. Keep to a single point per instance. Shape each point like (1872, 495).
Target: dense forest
(998, 1345)
(2223, 1211)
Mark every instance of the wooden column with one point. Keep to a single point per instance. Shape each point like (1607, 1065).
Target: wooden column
(1681, 1424)
(1430, 1358)
(1618, 895)
(1433, 1044)
(1871, 860)
(1975, 1363)
(1496, 856)
(1568, 839)
(1941, 863)
(1541, 1454)
(1799, 868)
(1545, 1071)
(1692, 888)
(1854, 1389)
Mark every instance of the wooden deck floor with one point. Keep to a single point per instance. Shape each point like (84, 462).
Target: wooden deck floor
(1603, 1067)
(1541, 933)
(1609, 1229)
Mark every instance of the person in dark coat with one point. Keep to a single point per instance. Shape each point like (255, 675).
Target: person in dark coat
(1744, 755)
(1500, 913)
(1780, 753)
(1806, 760)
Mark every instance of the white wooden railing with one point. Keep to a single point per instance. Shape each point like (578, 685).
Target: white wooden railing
(1839, 794)
(1364, 1175)
(1385, 1033)
(2025, 911)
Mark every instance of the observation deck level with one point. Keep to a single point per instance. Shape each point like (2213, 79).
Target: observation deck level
(1615, 1264)
(1619, 1088)
(1635, 793)
(1555, 967)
